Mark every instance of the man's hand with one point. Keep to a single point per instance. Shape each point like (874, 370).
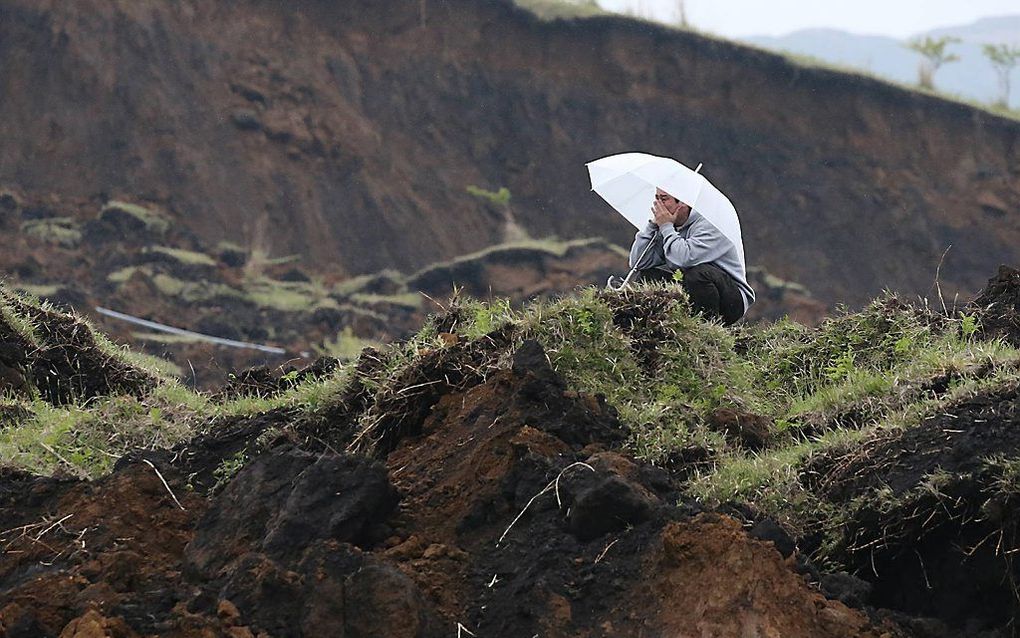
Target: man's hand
(661, 215)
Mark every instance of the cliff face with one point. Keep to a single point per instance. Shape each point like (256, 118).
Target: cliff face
(348, 132)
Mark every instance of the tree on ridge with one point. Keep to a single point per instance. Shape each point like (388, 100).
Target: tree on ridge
(935, 56)
(1004, 58)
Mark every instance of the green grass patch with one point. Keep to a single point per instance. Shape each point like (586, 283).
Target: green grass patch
(562, 9)
(181, 256)
(288, 296)
(194, 291)
(150, 219)
(38, 290)
(57, 231)
(87, 441)
(121, 275)
(409, 300)
(358, 284)
(345, 346)
(499, 197)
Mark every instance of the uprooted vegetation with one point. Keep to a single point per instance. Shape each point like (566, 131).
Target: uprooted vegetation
(881, 444)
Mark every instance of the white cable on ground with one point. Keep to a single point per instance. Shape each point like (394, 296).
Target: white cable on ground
(188, 333)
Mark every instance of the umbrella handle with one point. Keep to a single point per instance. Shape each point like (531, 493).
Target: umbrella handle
(633, 270)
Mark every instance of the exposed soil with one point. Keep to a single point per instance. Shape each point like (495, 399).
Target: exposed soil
(505, 508)
(998, 306)
(67, 364)
(264, 381)
(925, 509)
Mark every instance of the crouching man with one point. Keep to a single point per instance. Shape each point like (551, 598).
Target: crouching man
(681, 239)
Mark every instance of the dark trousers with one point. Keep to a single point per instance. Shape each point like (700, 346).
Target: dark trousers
(712, 291)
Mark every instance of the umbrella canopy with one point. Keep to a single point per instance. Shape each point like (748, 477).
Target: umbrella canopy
(628, 181)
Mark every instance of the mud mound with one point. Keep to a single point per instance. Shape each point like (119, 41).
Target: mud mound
(998, 306)
(508, 510)
(709, 565)
(283, 544)
(401, 406)
(62, 358)
(932, 506)
(264, 381)
(644, 315)
(292, 499)
(520, 518)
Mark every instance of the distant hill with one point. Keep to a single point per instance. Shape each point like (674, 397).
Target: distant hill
(971, 77)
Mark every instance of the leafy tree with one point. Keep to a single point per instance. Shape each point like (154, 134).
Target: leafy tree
(1004, 58)
(935, 56)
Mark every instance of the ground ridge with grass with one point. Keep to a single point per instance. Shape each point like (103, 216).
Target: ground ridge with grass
(869, 465)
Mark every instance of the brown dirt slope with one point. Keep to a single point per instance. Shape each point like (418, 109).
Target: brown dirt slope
(349, 132)
(509, 511)
(469, 487)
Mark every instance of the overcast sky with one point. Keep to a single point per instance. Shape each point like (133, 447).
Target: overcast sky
(896, 18)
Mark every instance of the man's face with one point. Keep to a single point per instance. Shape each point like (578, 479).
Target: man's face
(673, 205)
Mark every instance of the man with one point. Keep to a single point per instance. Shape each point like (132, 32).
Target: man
(681, 239)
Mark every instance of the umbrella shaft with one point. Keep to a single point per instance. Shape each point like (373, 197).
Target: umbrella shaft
(633, 270)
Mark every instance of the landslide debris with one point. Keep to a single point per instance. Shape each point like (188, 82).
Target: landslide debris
(935, 504)
(307, 544)
(135, 259)
(545, 472)
(59, 356)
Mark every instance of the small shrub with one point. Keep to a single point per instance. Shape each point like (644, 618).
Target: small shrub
(228, 469)
(496, 198)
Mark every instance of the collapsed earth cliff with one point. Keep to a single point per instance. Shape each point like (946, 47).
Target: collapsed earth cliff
(350, 133)
(605, 465)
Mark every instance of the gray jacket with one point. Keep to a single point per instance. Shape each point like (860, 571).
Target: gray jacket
(696, 242)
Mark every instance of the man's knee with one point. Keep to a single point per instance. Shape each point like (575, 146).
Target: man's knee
(700, 274)
(654, 275)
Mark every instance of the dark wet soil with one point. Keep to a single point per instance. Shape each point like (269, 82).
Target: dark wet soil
(67, 364)
(266, 381)
(998, 306)
(927, 508)
(499, 501)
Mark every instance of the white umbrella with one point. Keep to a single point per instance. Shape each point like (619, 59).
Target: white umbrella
(628, 181)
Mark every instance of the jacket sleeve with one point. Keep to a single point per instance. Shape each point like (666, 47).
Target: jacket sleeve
(654, 256)
(704, 244)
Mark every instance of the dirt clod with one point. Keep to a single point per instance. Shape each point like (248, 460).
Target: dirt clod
(998, 306)
(92, 624)
(612, 504)
(750, 431)
(284, 501)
